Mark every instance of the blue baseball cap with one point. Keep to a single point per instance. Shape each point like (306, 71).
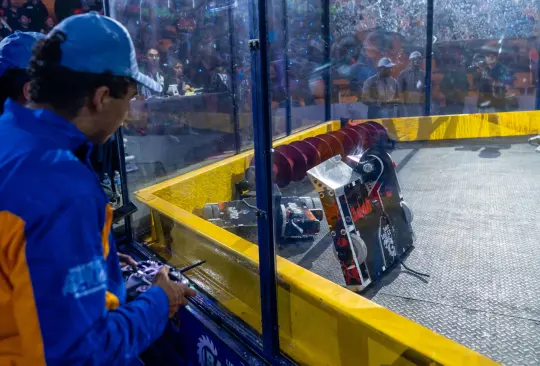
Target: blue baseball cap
(98, 44)
(16, 50)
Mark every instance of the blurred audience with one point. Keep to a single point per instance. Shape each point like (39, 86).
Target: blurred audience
(493, 80)
(411, 86)
(187, 47)
(11, 15)
(32, 16)
(37, 14)
(454, 86)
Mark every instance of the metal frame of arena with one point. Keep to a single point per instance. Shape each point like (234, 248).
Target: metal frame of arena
(304, 316)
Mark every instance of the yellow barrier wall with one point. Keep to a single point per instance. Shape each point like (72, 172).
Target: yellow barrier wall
(321, 323)
(463, 126)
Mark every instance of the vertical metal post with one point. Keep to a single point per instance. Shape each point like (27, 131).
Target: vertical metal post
(538, 74)
(128, 233)
(106, 8)
(236, 124)
(327, 70)
(429, 57)
(288, 105)
(123, 182)
(262, 131)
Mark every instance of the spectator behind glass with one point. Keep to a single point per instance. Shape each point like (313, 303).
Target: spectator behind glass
(411, 86)
(454, 86)
(179, 84)
(492, 79)
(379, 92)
(11, 15)
(24, 24)
(4, 7)
(352, 64)
(37, 12)
(49, 24)
(5, 29)
(153, 70)
(206, 61)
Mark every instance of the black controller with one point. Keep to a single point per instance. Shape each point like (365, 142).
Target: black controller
(139, 278)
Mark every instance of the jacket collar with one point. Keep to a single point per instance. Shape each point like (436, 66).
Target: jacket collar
(48, 125)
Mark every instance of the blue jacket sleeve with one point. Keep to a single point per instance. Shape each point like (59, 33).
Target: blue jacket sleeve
(68, 274)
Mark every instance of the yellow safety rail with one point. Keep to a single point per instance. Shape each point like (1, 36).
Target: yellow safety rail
(464, 126)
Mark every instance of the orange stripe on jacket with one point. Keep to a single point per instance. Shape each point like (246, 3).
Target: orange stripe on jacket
(106, 230)
(111, 300)
(20, 334)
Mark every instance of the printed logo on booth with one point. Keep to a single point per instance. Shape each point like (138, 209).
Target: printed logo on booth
(208, 353)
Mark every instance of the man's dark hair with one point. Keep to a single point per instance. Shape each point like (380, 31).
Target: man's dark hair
(12, 82)
(63, 89)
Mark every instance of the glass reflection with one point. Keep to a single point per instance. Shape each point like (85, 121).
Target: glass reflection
(479, 64)
(197, 52)
(378, 58)
(484, 56)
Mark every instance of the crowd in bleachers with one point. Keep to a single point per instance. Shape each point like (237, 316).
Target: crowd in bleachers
(203, 44)
(483, 19)
(180, 46)
(453, 19)
(32, 16)
(465, 33)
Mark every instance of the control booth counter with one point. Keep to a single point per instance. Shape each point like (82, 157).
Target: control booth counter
(343, 183)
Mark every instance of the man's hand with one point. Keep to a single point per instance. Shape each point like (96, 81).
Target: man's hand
(176, 292)
(126, 260)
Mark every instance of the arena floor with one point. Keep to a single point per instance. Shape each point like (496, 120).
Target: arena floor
(476, 221)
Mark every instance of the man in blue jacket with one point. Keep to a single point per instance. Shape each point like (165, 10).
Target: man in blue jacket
(62, 298)
(15, 54)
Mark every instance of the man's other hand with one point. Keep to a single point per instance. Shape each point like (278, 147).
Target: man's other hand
(126, 260)
(176, 292)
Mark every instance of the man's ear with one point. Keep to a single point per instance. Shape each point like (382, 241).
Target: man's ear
(26, 92)
(100, 99)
